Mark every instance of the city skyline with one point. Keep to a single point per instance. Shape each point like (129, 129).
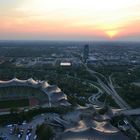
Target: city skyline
(70, 20)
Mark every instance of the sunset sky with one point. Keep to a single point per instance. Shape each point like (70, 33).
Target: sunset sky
(70, 19)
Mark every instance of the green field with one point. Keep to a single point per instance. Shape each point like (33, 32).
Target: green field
(21, 92)
(14, 103)
(18, 96)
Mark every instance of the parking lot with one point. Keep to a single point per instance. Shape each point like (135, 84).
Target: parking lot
(24, 131)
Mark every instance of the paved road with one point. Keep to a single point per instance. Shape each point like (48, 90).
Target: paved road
(116, 94)
(110, 90)
(108, 87)
(130, 112)
(94, 98)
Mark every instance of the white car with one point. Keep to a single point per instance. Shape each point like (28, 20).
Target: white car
(35, 136)
(29, 134)
(9, 125)
(24, 122)
(27, 137)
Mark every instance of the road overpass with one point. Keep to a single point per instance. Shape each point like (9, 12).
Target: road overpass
(129, 112)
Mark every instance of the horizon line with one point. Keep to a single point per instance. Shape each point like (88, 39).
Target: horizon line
(59, 40)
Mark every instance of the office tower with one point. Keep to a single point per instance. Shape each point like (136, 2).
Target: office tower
(85, 53)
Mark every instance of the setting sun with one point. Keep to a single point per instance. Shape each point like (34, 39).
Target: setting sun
(111, 34)
(71, 18)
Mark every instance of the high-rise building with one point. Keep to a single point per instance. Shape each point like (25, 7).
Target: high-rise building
(86, 53)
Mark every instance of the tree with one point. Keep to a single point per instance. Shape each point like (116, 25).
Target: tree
(44, 132)
(13, 110)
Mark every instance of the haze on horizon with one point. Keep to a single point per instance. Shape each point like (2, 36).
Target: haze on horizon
(70, 19)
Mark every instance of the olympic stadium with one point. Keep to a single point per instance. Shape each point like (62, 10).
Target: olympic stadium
(30, 93)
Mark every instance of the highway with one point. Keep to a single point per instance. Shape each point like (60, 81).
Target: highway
(109, 88)
(94, 98)
(116, 94)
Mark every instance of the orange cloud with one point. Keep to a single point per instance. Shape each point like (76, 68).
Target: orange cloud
(91, 18)
(62, 27)
(130, 29)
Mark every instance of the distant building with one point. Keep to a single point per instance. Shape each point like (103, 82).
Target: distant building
(85, 53)
(65, 64)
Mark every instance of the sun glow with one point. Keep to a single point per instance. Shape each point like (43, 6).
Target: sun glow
(112, 34)
(106, 16)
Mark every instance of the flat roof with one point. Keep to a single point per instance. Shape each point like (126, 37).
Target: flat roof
(65, 64)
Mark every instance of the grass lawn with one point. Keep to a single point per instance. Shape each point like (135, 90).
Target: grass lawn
(14, 103)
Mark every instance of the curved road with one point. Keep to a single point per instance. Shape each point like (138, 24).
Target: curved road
(109, 89)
